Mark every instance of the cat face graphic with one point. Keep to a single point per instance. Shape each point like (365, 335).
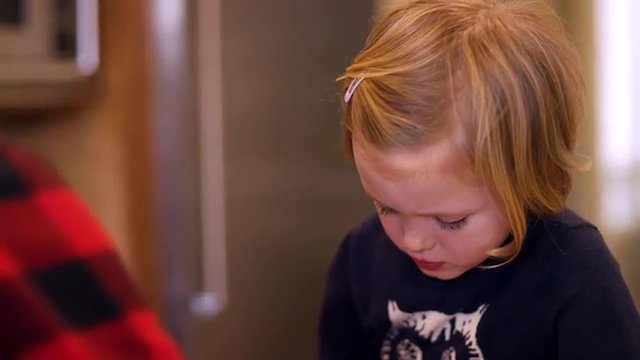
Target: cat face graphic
(431, 335)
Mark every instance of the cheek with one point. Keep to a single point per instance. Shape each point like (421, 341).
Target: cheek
(472, 244)
(464, 246)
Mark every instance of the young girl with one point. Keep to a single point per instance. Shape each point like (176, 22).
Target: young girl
(461, 118)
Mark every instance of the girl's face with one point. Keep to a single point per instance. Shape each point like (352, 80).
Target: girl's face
(431, 207)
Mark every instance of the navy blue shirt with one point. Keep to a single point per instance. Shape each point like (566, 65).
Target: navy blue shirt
(563, 297)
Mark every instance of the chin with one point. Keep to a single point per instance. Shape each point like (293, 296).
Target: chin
(445, 274)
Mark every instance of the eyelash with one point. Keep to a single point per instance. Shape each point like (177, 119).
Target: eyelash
(453, 225)
(444, 225)
(383, 210)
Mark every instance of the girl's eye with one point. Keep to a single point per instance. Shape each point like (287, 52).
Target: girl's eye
(383, 210)
(452, 225)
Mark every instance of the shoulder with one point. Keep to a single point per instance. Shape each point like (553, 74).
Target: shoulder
(365, 247)
(368, 237)
(577, 255)
(575, 240)
(370, 228)
(22, 172)
(587, 289)
(39, 211)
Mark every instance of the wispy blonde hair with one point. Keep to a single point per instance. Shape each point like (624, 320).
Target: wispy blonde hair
(526, 96)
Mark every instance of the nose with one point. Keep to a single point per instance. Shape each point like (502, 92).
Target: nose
(417, 237)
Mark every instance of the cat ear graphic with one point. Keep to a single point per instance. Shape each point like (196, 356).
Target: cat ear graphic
(396, 316)
(481, 309)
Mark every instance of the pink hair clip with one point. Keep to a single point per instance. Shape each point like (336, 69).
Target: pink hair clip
(352, 88)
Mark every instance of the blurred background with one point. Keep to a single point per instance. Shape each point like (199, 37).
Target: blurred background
(204, 135)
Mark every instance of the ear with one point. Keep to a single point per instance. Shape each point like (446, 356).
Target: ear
(396, 316)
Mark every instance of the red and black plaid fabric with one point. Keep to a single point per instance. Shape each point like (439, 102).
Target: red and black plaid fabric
(64, 293)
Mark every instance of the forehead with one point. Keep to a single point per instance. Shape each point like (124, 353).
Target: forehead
(435, 179)
(446, 155)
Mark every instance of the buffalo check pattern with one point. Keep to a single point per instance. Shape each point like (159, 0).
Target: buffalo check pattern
(64, 292)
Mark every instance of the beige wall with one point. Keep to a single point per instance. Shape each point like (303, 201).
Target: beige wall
(587, 191)
(101, 148)
(578, 15)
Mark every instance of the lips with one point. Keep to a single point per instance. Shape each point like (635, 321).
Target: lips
(428, 265)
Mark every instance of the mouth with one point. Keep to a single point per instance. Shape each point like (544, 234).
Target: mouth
(428, 265)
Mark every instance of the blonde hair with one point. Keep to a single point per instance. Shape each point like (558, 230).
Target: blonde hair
(520, 73)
